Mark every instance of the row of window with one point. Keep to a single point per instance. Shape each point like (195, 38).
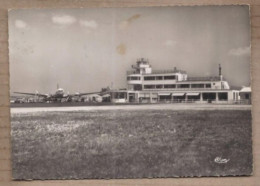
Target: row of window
(205, 96)
(119, 95)
(152, 78)
(133, 78)
(178, 86)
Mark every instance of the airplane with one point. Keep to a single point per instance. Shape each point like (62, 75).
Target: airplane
(59, 95)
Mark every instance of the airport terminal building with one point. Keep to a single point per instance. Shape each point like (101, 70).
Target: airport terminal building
(145, 85)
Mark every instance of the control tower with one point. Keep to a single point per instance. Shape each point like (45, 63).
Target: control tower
(142, 66)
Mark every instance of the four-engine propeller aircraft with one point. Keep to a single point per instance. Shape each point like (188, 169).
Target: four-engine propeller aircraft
(60, 95)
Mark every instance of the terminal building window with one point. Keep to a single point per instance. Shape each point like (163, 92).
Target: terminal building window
(197, 85)
(209, 96)
(149, 86)
(149, 78)
(159, 86)
(223, 96)
(169, 86)
(119, 95)
(137, 87)
(158, 77)
(169, 77)
(208, 85)
(133, 78)
(184, 86)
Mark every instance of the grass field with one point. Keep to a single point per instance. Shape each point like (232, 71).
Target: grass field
(131, 143)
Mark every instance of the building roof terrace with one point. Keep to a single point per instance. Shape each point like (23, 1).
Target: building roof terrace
(158, 72)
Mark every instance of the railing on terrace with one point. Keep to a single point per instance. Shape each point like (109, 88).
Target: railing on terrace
(158, 72)
(181, 89)
(211, 78)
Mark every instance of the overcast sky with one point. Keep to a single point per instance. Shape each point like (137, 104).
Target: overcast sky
(87, 49)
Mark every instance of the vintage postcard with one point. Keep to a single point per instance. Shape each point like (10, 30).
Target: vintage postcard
(147, 92)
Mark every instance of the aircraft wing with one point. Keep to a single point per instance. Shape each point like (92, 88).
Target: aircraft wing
(31, 94)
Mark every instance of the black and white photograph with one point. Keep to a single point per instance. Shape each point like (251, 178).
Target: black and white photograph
(137, 92)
